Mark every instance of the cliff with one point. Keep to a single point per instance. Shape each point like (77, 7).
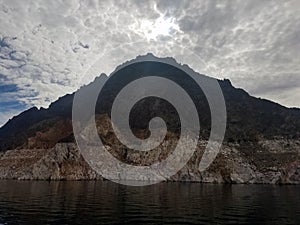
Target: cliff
(261, 144)
(64, 162)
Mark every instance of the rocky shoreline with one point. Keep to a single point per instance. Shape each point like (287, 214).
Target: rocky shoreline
(232, 165)
(63, 162)
(261, 143)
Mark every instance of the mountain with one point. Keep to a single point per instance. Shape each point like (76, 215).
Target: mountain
(261, 136)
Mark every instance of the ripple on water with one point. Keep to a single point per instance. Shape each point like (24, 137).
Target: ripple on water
(91, 202)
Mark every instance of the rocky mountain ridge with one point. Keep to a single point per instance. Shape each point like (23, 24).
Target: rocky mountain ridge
(261, 145)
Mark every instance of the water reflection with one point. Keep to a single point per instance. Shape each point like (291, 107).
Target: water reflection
(78, 202)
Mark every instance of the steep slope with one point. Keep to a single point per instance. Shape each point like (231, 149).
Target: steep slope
(249, 118)
(261, 145)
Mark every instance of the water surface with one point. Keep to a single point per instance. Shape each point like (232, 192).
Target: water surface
(104, 202)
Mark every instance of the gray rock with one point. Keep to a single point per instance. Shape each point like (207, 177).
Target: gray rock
(232, 165)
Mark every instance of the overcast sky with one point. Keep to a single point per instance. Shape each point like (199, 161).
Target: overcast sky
(46, 47)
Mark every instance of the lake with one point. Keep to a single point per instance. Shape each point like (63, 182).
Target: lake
(104, 202)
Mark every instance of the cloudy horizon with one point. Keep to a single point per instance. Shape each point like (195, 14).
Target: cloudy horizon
(46, 47)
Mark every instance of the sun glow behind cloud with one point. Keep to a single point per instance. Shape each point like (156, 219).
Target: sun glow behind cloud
(160, 27)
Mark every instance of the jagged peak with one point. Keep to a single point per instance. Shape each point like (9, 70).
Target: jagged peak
(169, 60)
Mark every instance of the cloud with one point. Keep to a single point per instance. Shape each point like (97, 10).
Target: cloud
(46, 47)
(5, 116)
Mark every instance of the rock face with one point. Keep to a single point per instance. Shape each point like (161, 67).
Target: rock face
(64, 162)
(248, 118)
(261, 143)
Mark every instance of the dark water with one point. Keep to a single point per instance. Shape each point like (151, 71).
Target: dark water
(39, 202)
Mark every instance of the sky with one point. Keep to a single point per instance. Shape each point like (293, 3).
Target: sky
(48, 47)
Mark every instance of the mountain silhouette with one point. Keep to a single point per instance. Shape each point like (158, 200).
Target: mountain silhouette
(249, 119)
